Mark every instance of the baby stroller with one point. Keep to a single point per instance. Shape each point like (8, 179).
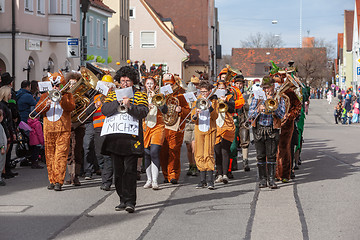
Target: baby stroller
(22, 149)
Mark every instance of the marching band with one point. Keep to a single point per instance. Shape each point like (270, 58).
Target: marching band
(151, 117)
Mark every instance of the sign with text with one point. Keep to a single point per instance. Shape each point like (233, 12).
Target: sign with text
(120, 123)
(33, 45)
(358, 70)
(124, 92)
(72, 47)
(44, 86)
(102, 88)
(166, 90)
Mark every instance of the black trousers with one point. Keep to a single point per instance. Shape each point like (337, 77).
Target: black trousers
(105, 162)
(266, 142)
(125, 177)
(222, 156)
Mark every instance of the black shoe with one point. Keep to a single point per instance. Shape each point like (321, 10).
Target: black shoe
(130, 208)
(57, 187)
(189, 172)
(51, 186)
(230, 175)
(105, 188)
(166, 181)
(211, 185)
(174, 181)
(120, 207)
(7, 176)
(201, 185)
(76, 181)
(262, 183)
(296, 167)
(292, 175)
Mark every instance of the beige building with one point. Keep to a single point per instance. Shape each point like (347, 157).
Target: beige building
(118, 32)
(153, 39)
(37, 43)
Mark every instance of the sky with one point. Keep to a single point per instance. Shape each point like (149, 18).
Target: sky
(322, 19)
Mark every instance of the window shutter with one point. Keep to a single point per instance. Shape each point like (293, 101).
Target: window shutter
(147, 39)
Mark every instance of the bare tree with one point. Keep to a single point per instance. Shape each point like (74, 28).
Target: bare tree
(226, 59)
(330, 48)
(261, 40)
(312, 66)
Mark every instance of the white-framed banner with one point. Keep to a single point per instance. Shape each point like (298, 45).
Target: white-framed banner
(120, 123)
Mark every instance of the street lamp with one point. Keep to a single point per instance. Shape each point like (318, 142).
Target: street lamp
(50, 65)
(85, 5)
(30, 65)
(67, 66)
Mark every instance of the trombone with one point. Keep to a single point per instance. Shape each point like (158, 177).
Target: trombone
(54, 95)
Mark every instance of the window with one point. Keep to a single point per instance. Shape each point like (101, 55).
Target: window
(29, 5)
(131, 39)
(91, 31)
(63, 6)
(98, 33)
(132, 13)
(147, 39)
(53, 6)
(104, 34)
(41, 6)
(73, 10)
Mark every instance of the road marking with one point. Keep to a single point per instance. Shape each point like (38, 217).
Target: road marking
(276, 215)
(14, 208)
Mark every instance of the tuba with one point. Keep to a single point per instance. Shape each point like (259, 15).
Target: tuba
(171, 117)
(85, 85)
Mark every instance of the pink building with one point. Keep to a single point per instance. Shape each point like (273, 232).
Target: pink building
(34, 39)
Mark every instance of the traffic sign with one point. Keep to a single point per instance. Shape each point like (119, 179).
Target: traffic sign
(332, 86)
(72, 47)
(358, 70)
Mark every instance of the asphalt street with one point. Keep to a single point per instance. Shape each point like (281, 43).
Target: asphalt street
(320, 203)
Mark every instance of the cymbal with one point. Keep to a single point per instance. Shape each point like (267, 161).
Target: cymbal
(103, 67)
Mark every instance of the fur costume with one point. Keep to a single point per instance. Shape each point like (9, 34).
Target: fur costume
(170, 150)
(205, 140)
(283, 168)
(57, 129)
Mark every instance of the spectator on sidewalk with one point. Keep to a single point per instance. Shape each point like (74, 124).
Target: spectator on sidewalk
(36, 142)
(355, 118)
(3, 147)
(25, 100)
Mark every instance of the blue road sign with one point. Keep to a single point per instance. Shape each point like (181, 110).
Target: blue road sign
(358, 70)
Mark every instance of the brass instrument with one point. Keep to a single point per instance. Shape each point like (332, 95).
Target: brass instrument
(223, 107)
(86, 84)
(158, 100)
(122, 108)
(54, 95)
(202, 104)
(81, 117)
(171, 117)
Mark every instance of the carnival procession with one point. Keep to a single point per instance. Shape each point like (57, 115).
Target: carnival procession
(164, 119)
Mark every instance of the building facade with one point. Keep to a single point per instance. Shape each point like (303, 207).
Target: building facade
(118, 32)
(153, 39)
(97, 31)
(195, 22)
(33, 39)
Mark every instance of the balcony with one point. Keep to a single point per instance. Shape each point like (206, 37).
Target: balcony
(59, 25)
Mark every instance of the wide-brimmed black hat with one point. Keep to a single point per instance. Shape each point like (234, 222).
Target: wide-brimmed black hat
(6, 79)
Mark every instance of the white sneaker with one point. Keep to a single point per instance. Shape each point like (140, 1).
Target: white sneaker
(219, 179)
(225, 179)
(155, 186)
(147, 185)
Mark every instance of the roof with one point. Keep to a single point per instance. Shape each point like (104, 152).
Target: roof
(247, 59)
(190, 19)
(99, 4)
(165, 29)
(349, 24)
(340, 45)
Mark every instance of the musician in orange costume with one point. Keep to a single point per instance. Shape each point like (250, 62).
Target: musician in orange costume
(225, 134)
(154, 134)
(57, 131)
(170, 150)
(205, 135)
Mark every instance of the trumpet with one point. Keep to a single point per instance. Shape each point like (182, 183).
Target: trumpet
(271, 105)
(158, 100)
(223, 107)
(122, 108)
(54, 95)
